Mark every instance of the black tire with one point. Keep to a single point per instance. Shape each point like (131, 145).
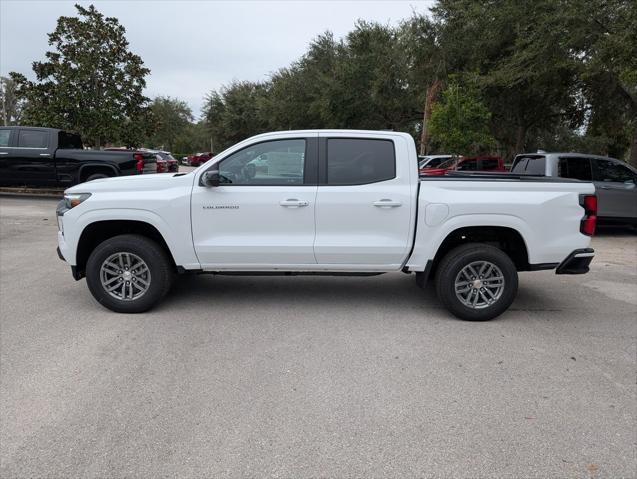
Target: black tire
(156, 259)
(450, 269)
(96, 176)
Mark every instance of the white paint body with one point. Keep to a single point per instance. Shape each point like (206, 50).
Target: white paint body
(336, 228)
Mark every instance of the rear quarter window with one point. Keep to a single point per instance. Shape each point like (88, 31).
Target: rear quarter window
(575, 168)
(69, 141)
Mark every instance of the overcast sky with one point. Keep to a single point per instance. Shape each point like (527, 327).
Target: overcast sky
(195, 46)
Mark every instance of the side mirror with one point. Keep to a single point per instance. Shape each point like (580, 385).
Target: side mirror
(210, 178)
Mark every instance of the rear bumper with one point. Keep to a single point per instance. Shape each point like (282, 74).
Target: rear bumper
(577, 262)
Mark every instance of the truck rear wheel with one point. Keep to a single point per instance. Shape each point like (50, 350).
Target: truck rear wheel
(128, 273)
(476, 282)
(96, 176)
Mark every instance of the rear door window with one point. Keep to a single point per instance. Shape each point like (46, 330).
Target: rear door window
(33, 139)
(606, 170)
(358, 161)
(575, 168)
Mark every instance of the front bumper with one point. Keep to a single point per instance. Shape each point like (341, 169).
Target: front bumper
(577, 262)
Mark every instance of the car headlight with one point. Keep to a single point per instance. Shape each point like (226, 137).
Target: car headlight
(71, 200)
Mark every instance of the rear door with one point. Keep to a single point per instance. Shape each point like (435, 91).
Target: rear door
(616, 189)
(261, 216)
(363, 205)
(32, 161)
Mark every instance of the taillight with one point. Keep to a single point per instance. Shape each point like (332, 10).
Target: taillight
(139, 166)
(587, 225)
(160, 166)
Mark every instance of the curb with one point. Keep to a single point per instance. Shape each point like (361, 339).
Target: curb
(39, 192)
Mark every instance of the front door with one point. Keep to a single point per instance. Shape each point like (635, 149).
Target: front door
(261, 216)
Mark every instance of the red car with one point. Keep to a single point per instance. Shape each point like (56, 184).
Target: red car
(199, 158)
(145, 162)
(466, 163)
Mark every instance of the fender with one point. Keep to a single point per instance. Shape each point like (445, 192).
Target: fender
(429, 239)
(180, 246)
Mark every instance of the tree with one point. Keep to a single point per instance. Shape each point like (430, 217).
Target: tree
(90, 83)
(194, 138)
(460, 121)
(171, 117)
(12, 102)
(236, 112)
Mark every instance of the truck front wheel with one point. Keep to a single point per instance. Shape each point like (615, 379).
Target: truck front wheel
(128, 273)
(476, 282)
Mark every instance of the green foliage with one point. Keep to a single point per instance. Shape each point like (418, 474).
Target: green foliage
(460, 121)
(90, 82)
(194, 138)
(171, 118)
(551, 74)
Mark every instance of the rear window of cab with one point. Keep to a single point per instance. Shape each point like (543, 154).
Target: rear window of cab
(530, 165)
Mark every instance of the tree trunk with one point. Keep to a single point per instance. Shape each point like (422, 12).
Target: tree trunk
(632, 159)
(432, 93)
(520, 140)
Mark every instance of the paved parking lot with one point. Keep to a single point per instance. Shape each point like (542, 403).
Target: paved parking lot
(312, 376)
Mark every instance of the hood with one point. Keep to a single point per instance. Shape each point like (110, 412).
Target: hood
(155, 181)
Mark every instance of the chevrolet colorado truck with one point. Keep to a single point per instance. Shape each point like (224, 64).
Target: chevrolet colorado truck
(31, 156)
(325, 202)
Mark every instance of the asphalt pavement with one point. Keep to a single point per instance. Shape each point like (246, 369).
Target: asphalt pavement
(312, 376)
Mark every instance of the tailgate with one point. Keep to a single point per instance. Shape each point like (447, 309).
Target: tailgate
(150, 162)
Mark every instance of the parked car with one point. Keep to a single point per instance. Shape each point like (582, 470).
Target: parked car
(466, 163)
(33, 156)
(432, 161)
(614, 180)
(339, 202)
(199, 158)
(165, 161)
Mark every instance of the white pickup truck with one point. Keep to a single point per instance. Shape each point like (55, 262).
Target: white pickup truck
(325, 202)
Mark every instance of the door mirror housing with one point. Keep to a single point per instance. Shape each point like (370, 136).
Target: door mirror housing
(210, 178)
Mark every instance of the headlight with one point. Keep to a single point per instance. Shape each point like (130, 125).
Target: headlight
(71, 200)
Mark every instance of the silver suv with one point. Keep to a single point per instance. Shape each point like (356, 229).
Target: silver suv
(615, 181)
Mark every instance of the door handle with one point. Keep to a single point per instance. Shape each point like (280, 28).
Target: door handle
(293, 203)
(605, 187)
(3, 153)
(387, 203)
(45, 154)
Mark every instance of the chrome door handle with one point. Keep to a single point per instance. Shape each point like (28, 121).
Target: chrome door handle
(387, 203)
(293, 203)
(45, 154)
(3, 153)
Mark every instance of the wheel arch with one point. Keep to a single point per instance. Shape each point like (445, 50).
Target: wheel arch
(505, 238)
(97, 232)
(88, 169)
